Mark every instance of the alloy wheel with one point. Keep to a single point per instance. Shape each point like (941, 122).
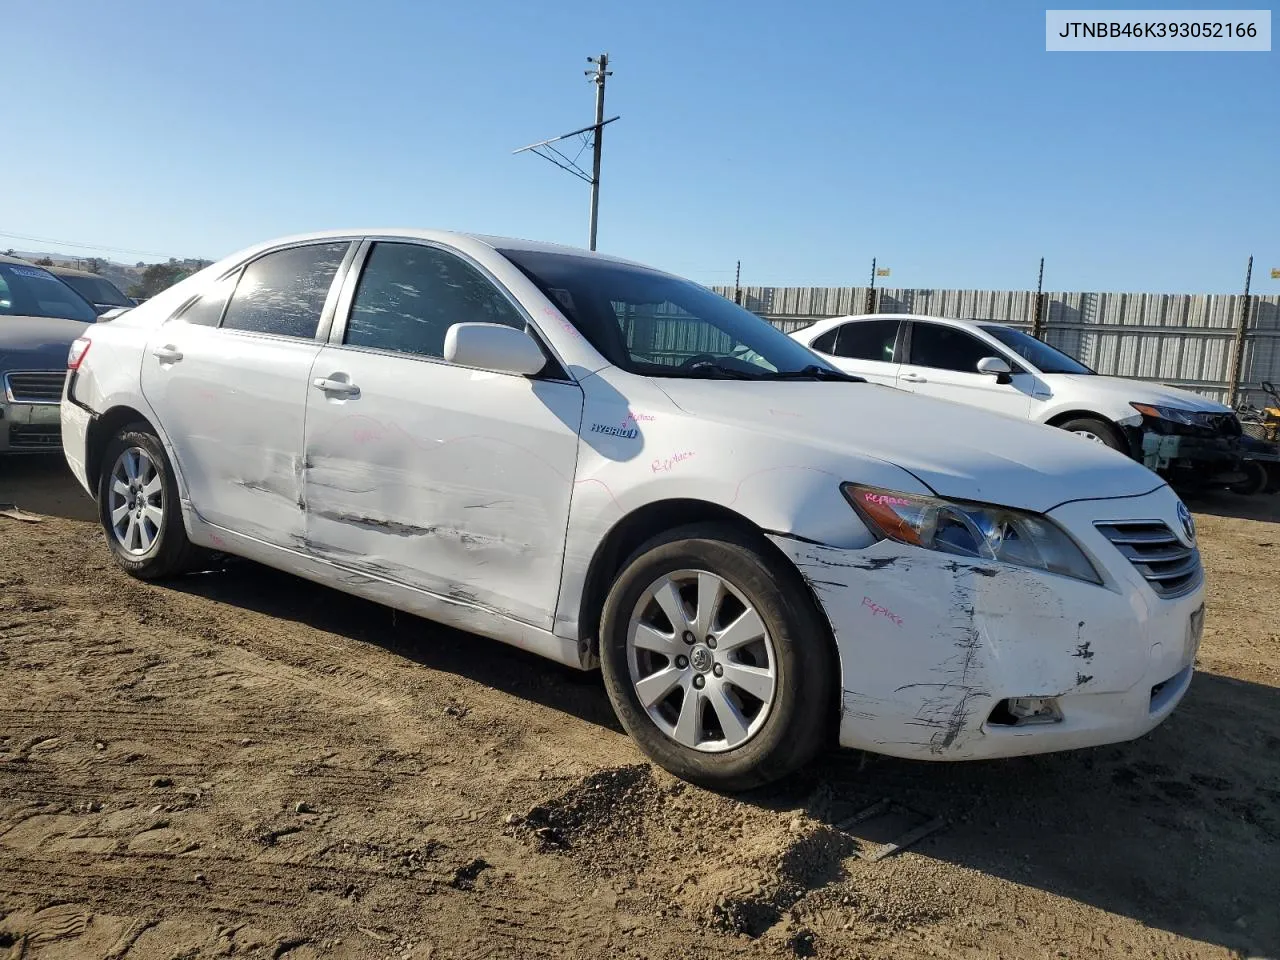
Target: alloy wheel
(702, 661)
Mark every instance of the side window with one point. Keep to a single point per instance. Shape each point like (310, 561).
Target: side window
(410, 295)
(868, 340)
(946, 348)
(283, 293)
(825, 343)
(207, 311)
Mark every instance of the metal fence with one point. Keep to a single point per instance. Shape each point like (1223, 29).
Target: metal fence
(1186, 340)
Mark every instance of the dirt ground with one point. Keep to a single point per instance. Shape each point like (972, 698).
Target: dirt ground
(243, 764)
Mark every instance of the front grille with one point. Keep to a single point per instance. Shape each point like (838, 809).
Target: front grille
(35, 386)
(35, 436)
(1170, 566)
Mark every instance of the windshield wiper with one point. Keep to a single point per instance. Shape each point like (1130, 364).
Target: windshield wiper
(712, 369)
(813, 372)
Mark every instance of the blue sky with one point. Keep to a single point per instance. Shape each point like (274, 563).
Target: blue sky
(803, 139)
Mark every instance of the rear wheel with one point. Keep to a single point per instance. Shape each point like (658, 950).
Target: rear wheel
(716, 658)
(1255, 481)
(1099, 431)
(138, 506)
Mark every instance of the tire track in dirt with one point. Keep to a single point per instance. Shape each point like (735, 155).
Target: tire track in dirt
(285, 769)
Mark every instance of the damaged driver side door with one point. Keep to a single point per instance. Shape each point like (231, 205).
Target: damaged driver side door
(439, 478)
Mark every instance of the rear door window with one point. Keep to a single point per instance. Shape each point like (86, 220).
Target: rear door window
(283, 293)
(868, 340)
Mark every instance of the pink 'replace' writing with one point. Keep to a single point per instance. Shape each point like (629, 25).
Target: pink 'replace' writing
(662, 464)
(366, 435)
(879, 611)
(561, 319)
(886, 500)
(636, 418)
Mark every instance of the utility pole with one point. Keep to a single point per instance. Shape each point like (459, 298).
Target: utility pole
(871, 291)
(1037, 321)
(598, 76)
(547, 149)
(737, 284)
(1237, 348)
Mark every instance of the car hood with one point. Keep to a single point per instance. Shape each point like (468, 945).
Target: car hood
(1138, 391)
(37, 343)
(958, 451)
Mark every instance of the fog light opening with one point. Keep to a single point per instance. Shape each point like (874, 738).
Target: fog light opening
(1025, 712)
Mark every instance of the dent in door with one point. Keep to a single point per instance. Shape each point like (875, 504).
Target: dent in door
(464, 495)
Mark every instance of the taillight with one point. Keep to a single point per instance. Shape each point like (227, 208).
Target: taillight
(79, 350)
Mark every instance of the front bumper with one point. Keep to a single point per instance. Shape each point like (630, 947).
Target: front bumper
(1189, 453)
(932, 645)
(29, 427)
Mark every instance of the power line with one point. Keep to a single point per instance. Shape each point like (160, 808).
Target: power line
(80, 246)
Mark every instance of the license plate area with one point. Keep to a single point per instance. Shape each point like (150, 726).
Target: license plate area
(1195, 631)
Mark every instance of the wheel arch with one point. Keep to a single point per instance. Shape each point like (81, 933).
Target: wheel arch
(1058, 419)
(105, 426)
(646, 522)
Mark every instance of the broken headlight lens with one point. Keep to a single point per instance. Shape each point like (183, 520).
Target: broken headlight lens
(975, 530)
(1188, 418)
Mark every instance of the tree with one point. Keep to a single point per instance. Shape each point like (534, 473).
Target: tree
(44, 262)
(9, 252)
(157, 277)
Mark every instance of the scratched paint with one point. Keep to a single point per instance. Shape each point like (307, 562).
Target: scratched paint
(480, 499)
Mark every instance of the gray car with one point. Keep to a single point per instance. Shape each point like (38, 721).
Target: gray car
(97, 289)
(40, 316)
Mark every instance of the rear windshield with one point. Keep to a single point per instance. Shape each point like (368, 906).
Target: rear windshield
(29, 291)
(97, 290)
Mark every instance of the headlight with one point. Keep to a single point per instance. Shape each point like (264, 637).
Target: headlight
(971, 530)
(1190, 418)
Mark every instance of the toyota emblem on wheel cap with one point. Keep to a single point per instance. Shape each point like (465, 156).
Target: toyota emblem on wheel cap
(1188, 523)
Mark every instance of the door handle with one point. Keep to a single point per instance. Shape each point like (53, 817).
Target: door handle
(914, 378)
(338, 388)
(167, 354)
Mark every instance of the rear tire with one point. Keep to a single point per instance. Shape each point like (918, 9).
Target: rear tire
(139, 509)
(1256, 479)
(1096, 430)
(756, 698)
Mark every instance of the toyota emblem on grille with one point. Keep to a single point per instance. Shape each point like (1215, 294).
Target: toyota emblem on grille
(1188, 524)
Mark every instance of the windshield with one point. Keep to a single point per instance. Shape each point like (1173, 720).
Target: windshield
(97, 290)
(1039, 354)
(658, 325)
(29, 291)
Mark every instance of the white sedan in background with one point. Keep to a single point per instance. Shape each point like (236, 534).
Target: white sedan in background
(1191, 438)
(568, 452)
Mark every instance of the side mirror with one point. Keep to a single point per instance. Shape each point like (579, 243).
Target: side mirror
(112, 314)
(997, 367)
(493, 346)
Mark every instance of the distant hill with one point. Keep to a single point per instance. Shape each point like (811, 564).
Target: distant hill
(136, 280)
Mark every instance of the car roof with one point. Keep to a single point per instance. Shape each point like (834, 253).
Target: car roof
(825, 324)
(4, 258)
(448, 236)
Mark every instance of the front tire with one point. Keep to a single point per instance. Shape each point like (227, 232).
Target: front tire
(716, 658)
(138, 506)
(1099, 431)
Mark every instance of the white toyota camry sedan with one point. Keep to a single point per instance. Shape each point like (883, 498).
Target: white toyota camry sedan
(611, 466)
